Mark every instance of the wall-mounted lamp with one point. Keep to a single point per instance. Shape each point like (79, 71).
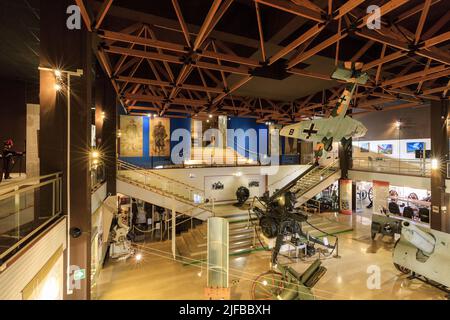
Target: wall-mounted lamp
(95, 154)
(58, 73)
(434, 164)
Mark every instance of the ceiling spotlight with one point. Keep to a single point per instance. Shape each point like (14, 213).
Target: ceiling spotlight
(149, 115)
(398, 124)
(58, 73)
(57, 87)
(138, 257)
(207, 121)
(210, 116)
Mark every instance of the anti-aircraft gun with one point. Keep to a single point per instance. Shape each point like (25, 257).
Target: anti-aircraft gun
(424, 254)
(280, 218)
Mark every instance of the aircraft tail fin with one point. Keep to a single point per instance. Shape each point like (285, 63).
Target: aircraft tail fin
(344, 101)
(351, 73)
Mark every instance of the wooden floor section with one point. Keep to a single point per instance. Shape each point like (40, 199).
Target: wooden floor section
(158, 276)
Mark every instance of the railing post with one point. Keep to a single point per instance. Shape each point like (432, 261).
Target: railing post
(17, 209)
(53, 198)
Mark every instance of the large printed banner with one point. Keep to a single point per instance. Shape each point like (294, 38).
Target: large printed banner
(345, 196)
(380, 196)
(131, 140)
(160, 137)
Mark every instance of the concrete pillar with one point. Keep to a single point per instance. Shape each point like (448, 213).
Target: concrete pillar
(439, 150)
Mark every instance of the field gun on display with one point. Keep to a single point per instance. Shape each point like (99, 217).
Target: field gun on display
(288, 284)
(281, 219)
(424, 254)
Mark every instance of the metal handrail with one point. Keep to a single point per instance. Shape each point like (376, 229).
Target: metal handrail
(417, 167)
(27, 181)
(279, 180)
(332, 164)
(14, 190)
(202, 206)
(151, 172)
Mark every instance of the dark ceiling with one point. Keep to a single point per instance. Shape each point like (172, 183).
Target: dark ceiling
(19, 38)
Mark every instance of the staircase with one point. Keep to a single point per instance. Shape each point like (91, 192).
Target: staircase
(314, 181)
(310, 182)
(192, 246)
(162, 191)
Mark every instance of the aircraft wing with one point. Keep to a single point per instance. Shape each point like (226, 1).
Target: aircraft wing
(309, 130)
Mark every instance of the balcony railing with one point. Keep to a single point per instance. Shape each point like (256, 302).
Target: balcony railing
(26, 208)
(412, 167)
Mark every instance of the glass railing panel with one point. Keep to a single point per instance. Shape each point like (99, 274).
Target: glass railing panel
(25, 208)
(415, 167)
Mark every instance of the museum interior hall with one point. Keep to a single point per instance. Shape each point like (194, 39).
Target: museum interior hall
(225, 150)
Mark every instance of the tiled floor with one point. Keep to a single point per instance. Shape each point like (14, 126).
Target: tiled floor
(158, 276)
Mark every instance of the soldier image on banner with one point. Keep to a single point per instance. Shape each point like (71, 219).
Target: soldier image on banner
(160, 137)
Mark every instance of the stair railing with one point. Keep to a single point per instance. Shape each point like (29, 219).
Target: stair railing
(321, 170)
(289, 174)
(162, 183)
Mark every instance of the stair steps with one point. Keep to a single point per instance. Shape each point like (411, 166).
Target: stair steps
(192, 244)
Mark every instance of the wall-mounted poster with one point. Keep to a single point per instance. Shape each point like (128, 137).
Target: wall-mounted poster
(413, 146)
(160, 137)
(385, 148)
(131, 140)
(364, 147)
(253, 184)
(217, 185)
(290, 146)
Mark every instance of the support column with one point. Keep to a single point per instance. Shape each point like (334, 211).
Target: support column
(106, 104)
(345, 155)
(439, 150)
(69, 50)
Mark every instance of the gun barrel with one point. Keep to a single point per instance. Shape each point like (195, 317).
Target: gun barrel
(418, 238)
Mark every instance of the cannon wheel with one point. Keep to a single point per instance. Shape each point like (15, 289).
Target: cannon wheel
(370, 194)
(267, 286)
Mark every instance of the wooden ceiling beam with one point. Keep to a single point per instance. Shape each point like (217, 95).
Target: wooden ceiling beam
(84, 14)
(102, 13)
(293, 8)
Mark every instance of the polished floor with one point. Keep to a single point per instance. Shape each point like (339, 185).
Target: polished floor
(158, 276)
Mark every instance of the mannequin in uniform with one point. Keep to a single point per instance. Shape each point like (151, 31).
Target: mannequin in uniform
(8, 158)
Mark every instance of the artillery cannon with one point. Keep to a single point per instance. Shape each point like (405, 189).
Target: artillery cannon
(288, 284)
(281, 219)
(424, 254)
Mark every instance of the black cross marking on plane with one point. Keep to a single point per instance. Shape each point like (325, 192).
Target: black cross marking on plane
(310, 131)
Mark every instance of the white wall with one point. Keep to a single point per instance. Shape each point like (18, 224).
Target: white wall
(373, 150)
(202, 178)
(16, 275)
